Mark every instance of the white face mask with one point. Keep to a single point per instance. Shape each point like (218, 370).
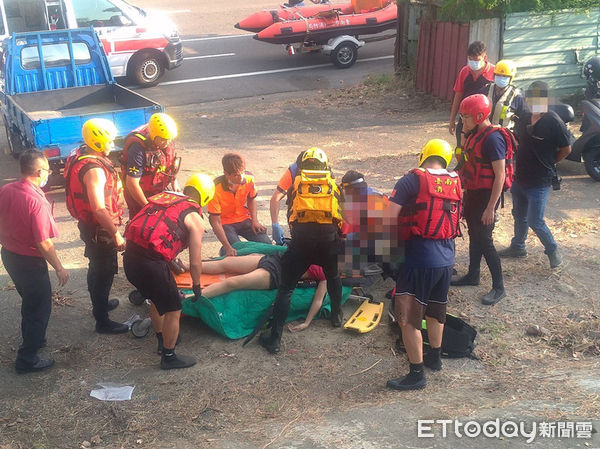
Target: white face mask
(44, 180)
(502, 81)
(475, 65)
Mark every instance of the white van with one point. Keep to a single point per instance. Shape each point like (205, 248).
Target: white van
(140, 45)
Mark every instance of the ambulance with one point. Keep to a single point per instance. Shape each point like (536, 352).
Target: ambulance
(140, 45)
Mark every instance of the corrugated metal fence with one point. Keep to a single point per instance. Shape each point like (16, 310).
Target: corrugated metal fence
(441, 53)
(552, 47)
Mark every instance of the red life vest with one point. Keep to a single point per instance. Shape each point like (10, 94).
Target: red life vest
(435, 214)
(159, 225)
(76, 166)
(160, 169)
(477, 173)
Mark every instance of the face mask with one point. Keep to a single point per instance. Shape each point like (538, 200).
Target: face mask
(44, 180)
(475, 65)
(502, 81)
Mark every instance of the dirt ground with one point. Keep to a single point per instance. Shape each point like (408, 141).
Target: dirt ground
(243, 397)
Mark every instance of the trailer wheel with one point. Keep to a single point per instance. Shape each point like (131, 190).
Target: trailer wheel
(591, 160)
(146, 69)
(344, 55)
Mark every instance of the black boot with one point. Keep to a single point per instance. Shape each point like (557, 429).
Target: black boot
(470, 278)
(493, 296)
(159, 338)
(170, 360)
(432, 359)
(271, 341)
(414, 380)
(334, 288)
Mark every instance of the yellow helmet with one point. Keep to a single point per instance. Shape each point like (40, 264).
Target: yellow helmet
(436, 147)
(315, 159)
(204, 185)
(99, 134)
(162, 125)
(506, 67)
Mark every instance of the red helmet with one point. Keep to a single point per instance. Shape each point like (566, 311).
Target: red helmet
(474, 105)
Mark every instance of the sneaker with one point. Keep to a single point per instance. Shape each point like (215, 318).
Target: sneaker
(40, 365)
(555, 259)
(270, 343)
(112, 304)
(511, 251)
(176, 361)
(467, 279)
(432, 360)
(111, 327)
(407, 382)
(493, 296)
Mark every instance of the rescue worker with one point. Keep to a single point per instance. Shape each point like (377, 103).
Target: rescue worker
(285, 182)
(149, 164)
(168, 224)
(426, 204)
(508, 103)
(314, 217)
(472, 79)
(26, 231)
(233, 210)
(544, 140)
(487, 172)
(95, 198)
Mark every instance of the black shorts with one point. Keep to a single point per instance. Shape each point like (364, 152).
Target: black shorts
(272, 263)
(429, 287)
(153, 279)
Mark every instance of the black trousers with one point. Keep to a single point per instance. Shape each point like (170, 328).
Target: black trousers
(31, 279)
(302, 253)
(481, 242)
(101, 251)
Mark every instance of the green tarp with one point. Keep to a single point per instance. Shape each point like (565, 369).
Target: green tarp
(236, 314)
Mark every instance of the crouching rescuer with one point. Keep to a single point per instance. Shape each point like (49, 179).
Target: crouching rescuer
(315, 217)
(168, 224)
(426, 204)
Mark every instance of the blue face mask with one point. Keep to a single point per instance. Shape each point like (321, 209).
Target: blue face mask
(501, 81)
(475, 65)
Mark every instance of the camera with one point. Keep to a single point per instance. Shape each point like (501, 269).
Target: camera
(556, 180)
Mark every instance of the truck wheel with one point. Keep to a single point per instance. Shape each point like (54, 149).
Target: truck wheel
(591, 160)
(146, 69)
(14, 142)
(344, 55)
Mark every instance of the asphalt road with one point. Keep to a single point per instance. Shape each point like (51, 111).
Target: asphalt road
(237, 66)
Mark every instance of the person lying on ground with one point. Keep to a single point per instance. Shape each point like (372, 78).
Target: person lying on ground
(261, 272)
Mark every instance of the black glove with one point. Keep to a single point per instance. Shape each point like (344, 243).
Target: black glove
(197, 292)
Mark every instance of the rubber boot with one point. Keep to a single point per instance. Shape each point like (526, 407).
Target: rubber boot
(272, 341)
(170, 360)
(334, 288)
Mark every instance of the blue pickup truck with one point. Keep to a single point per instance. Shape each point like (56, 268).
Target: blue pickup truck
(56, 80)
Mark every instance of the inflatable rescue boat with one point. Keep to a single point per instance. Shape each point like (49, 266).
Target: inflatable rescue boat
(318, 24)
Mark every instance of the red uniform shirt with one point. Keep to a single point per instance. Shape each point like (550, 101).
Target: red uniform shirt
(472, 87)
(25, 218)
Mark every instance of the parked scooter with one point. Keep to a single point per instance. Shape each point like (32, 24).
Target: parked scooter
(587, 146)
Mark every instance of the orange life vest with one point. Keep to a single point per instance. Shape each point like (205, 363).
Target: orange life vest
(76, 166)
(435, 214)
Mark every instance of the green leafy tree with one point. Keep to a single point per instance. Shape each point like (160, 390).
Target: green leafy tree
(464, 10)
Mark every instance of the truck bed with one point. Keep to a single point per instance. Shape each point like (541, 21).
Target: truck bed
(77, 101)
